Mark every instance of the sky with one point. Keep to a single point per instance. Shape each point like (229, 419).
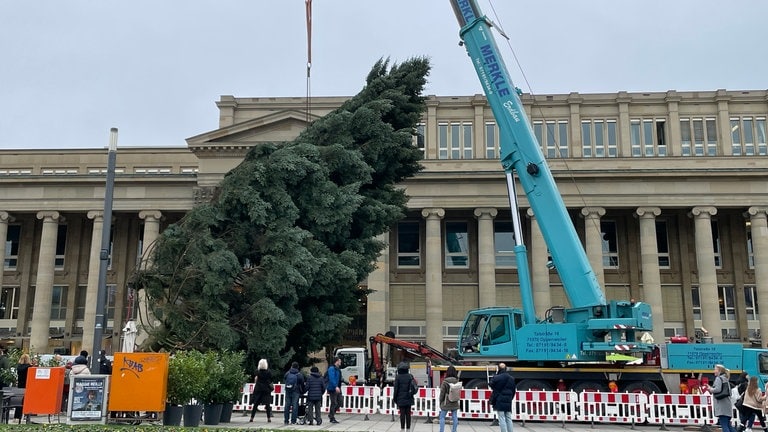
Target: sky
(72, 69)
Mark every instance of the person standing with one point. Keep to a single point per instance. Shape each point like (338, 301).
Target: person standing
(723, 408)
(403, 395)
(22, 368)
(503, 392)
(105, 365)
(752, 406)
(21, 372)
(446, 404)
(294, 388)
(315, 390)
(80, 365)
(334, 388)
(4, 365)
(262, 391)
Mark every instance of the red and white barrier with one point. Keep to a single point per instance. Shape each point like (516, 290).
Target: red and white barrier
(539, 405)
(681, 409)
(474, 404)
(529, 405)
(612, 407)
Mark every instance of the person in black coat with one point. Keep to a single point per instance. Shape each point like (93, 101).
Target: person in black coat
(403, 395)
(503, 386)
(315, 389)
(262, 391)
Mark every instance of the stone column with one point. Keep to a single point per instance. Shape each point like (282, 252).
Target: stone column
(4, 219)
(378, 298)
(41, 314)
(705, 266)
(433, 263)
(151, 233)
(649, 257)
(574, 122)
(486, 256)
(625, 143)
(594, 241)
(542, 293)
(673, 143)
(94, 267)
(759, 227)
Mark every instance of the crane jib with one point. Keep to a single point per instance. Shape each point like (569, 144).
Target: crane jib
(466, 10)
(494, 70)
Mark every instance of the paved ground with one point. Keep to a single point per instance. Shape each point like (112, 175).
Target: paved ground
(385, 423)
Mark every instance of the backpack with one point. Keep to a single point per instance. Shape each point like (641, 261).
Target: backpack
(454, 391)
(291, 379)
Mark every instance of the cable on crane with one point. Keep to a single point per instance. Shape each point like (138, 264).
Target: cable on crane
(549, 126)
(308, 7)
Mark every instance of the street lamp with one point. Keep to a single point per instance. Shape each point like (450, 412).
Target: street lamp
(101, 319)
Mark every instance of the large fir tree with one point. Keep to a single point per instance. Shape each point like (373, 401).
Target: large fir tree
(273, 264)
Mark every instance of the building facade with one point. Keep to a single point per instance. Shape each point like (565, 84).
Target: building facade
(668, 192)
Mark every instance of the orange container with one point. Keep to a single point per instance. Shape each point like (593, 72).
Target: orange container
(44, 391)
(139, 382)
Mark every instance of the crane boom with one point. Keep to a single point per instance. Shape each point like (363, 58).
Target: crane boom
(591, 326)
(521, 154)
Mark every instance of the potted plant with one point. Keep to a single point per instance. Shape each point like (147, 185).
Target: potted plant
(213, 392)
(233, 380)
(187, 380)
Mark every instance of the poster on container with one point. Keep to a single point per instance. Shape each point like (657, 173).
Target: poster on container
(87, 399)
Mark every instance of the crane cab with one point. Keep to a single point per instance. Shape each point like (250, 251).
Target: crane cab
(489, 333)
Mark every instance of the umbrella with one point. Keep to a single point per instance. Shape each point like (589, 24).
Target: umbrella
(129, 336)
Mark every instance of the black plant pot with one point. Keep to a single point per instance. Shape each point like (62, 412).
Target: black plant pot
(212, 414)
(192, 415)
(226, 412)
(172, 415)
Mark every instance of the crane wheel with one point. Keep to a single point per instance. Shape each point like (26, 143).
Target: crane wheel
(580, 386)
(533, 384)
(477, 384)
(646, 387)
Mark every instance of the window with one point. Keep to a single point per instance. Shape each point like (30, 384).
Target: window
(662, 244)
(61, 246)
(750, 249)
(748, 136)
(504, 243)
(80, 299)
(140, 244)
(497, 330)
(59, 302)
(80, 302)
(701, 133)
(454, 140)
(696, 300)
(408, 245)
(610, 244)
(727, 312)
(598, 138)
(647, 137)
(491, 140)
(750, 298)
(9, 303)
(716, 245)
(12, 240)
(456, 245)
(419, 140)
(553, 137)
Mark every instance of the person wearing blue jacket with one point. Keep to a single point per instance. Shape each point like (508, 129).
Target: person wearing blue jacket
(315, 390)
(503, 386)
(334, 388)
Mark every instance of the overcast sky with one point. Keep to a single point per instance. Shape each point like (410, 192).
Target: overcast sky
(71, 69)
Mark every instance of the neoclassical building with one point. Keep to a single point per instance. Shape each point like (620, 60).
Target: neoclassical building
(667, 190)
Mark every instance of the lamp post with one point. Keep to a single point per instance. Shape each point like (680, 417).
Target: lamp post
(101, 319)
